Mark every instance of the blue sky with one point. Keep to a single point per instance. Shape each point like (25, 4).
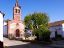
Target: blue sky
(54, 8)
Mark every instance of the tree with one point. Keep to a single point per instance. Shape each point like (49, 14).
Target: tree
(38, 22)
(28, 21)
(40, 19)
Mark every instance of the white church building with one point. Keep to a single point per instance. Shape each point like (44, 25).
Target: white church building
(57, 28)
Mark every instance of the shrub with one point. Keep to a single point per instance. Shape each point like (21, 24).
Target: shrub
(42, 34)
(46, 35)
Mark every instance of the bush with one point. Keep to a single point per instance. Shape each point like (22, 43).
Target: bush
(46, 35)
(58, 37)
(42, 34)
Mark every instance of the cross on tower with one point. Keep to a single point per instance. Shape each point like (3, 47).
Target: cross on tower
(16, 3)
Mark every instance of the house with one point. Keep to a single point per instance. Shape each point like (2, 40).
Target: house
(5, 31)
(1, 26)
(57, 28)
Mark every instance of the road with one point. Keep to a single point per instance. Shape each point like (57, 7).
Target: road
(8, 42)
(20, 44)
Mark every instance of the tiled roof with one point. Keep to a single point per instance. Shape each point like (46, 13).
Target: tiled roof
(57, 23)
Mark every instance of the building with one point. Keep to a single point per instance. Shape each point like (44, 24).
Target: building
(1, 26)
(5, 28)
(16, 26)
(57, 28)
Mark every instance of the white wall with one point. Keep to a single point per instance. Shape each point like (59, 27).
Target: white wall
(52, 32)
(5, 28)
(63, 30)
(1, 27)
(53, 29)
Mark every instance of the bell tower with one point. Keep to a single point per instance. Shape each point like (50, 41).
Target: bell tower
(16, 12)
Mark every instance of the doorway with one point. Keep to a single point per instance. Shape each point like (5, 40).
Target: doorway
(17, 33)
(56, 34)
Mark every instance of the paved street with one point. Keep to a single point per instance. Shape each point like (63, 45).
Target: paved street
(20, 44)
(8, 42)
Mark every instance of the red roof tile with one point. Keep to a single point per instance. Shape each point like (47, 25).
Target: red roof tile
(57, 23)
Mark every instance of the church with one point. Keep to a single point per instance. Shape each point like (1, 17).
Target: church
(15, 27)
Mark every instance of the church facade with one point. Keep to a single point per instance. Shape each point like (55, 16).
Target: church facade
(16, 26)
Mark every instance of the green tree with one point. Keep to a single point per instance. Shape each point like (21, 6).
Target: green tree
(40, 19)
(28, 21)
(38, 22)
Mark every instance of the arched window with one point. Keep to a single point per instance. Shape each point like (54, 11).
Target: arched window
(16, 10)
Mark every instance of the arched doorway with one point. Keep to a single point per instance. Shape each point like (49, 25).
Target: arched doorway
(17, 33)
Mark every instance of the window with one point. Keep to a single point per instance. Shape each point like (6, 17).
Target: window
(16, 10)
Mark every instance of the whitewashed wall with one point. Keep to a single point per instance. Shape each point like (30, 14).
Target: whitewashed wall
(63, 30)
(1, 27)
(55, 28)
(5, 28)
